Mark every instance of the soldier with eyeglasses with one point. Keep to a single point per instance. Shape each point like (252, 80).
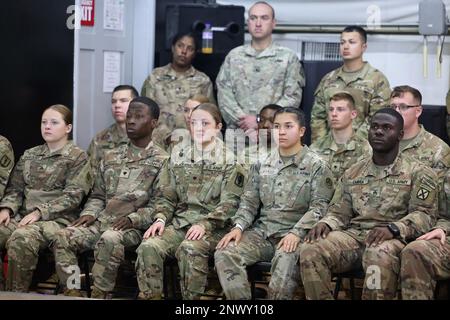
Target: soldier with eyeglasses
(417, 142)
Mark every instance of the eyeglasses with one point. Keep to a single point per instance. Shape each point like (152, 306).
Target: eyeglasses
(402, 106)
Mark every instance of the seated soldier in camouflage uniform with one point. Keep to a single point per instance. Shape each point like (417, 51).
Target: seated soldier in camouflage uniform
(115, 135)
(116, 210)
(427, 259)
(42, 197)
(200, 191)
(293, 187)
(417, 142)
(341, 147)
(367, 85)
(380, 204)
(6, 166)
(171, 85)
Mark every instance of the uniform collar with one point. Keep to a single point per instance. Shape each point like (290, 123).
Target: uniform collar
(357, 75)
(417, 140)
(45, 151)
(394, 169)
(274, 160)
(267, 52)
(174, 75)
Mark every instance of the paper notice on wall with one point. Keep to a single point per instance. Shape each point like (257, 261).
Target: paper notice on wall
(113, 17)
(111, 70)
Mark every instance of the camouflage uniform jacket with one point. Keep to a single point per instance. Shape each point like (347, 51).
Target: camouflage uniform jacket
(432, 152)
(341, 157)
(200, 189)
(368, 196)
(105, 140)
(47, 181)
(124, 185)
(248, 80)
(369, 87)
(293, 195)
(171, 90)
(6, 163)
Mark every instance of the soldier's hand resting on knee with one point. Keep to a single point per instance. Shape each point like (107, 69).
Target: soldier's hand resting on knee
(122, 224)
(235, 234)
(320, 231)
(434, 234)
(289, 243)
(378, 235)
(84, 221)
(157, 228)
(30, 218)
(196, 232)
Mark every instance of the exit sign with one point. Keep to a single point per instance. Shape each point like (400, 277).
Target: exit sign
(87, 12)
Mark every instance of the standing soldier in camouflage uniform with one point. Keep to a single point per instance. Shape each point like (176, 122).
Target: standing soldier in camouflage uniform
(341, 148)
(417, 142)
(116, 211)
(293, 187)
(170, 86)
(379, 204)
(367, 85)
(42, 197)
(6, 164)
(258, 74)
(428, 258)
(115, 135)
(200, 191)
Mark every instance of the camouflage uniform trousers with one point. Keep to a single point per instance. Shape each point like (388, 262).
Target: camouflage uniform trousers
(232, 261)
(5, 233)
(423, 262)
(23, 248)
(192, 256)
(342, 252)
(109, 252)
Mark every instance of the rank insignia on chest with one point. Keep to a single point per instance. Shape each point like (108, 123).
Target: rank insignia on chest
(125, 173)
(423, 193)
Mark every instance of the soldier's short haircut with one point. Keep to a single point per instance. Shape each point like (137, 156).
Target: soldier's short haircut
(65, 112)
(399, 91)
(132, 89)
(298, 113)
(393, 113)
(152, 106)
(344, 96)
(271, 106)
(212, 109)
(265, 3)
(358, 29)
(181, 35)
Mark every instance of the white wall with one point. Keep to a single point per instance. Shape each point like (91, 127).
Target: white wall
(398, 56)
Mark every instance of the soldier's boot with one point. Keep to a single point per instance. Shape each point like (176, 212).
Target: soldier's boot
(148, 296)
(96, 293)
(73, 293)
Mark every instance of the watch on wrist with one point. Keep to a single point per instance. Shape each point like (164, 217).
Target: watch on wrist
(394, 230)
